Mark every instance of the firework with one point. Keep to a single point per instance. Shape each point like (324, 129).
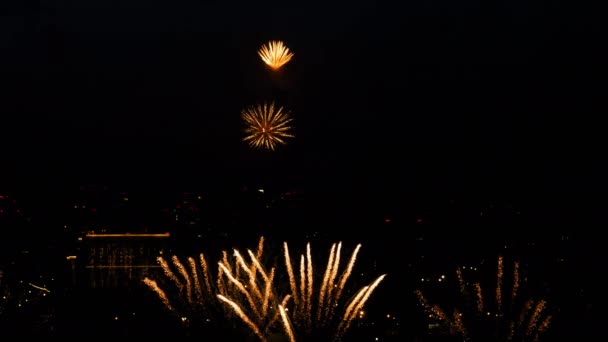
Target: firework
(479, 297)
(329, 295)
(275, 54)
(186, 284)
(239, 311)
(249, 293)
(287, 324)
(499, 274)
(460, 281)
(495, 319)
(257, 304)
(191, 290)
(345, 323)
(267, 126)
(159, 292)
(515, 280)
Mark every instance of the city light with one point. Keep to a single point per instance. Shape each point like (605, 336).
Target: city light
(128, 235)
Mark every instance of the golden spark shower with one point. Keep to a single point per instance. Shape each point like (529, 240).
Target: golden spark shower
(503, 316)
(188, 293)
(275, 54)
(240, 288)
(267, 126)
(317, 308)
(256, 296)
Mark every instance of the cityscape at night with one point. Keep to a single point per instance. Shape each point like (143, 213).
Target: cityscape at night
(302, 171)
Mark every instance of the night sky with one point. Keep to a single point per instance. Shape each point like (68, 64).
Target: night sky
(412, 119)
(437, 96)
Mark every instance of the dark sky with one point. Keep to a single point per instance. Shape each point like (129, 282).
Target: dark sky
(417, 96)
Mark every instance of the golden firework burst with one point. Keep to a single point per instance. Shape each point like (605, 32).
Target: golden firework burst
(275, 54)
(267, 126)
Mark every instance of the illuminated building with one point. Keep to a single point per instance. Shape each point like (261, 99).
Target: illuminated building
(119, 260)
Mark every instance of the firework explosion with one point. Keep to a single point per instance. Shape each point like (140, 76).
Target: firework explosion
(250, 293)
(267, 126)
(275, 54)
(515, 319)
(191, 283)
(197, 295)
(317, 311)
(306, 311)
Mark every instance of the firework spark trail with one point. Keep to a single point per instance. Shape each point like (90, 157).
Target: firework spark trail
(194, 295)
(277, 315)
(422, 300)
(197, 283)
(241, 288)
(346, 274)
(206, 274)
(267, 292)
(515, 281)
(356, 306)
(228, 266)
(184, 273)
(460, 280)
(165, 266)
(286, 324)
(239, 311)
(328, 289)
(260, 249)
(292, 279)
(249, 271)
(360, 304)
(258, 305)
(432, 310)
(479, 295)
(159, 292)
(309, 285)
(226, 262)
(524, 312)
(260, 309)
(258, 254)
(527, 324)
(263, 311)
(511, 331)
(221, 288)
(351, 307)
(237, 270)
(302, 285)
(538, 310)
(275, 54)
(332, 299)
(329, 308)
(257, 264)
(543, 327)
(459, 324)
(438, 311)
(545, 324)
(330, 262)
(499, 274)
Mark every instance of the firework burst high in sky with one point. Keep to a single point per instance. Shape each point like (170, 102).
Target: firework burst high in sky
(267, 126)
(275, 54)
